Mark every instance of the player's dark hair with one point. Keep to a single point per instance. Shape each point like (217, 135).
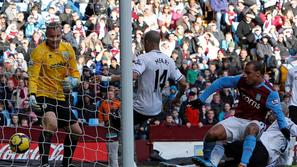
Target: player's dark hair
(53, 25)
(258, 66)
(152, 37)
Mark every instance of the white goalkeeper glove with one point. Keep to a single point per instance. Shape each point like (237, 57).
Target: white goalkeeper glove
(33, 103)
(69, 83)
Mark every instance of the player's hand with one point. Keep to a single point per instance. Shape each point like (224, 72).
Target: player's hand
(33, 103)
(286, 133)
(69, 83)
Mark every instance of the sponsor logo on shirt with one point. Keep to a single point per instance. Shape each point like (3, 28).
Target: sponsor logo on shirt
(57, 65)
(251, 101)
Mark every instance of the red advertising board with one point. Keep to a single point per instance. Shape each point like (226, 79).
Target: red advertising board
(89, 151)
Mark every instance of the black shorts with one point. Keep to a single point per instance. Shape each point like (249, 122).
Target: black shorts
(60, 108)
(140, 118)
(259, 158)
(293, 113)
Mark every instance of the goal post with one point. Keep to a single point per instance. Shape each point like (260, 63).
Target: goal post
(126, 83)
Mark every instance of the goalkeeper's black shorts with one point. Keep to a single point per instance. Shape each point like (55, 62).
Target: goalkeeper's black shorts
(61, 109)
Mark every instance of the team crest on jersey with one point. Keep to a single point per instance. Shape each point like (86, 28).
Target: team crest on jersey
(65, 55)
(258, 97)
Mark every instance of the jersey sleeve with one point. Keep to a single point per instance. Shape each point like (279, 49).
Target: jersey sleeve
(139, 65)
(73, 71)
(289, 81)
(292, 127)
(34, 68)
(224, 82)
(175, 74)
(273, 103)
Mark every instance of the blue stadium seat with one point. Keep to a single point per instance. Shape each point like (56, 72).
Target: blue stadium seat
(93, 122)
(75, 112)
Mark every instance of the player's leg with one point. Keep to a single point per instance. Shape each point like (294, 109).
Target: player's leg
(212, 151)
(230, 130)
(68, 121)
(49, 124)
(70, 143)
(234, 150)
(249, 143)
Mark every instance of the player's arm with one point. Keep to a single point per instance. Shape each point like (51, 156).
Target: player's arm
(289, 81)
(273, 103)
(224, 82)
(73, 71)
(34, 70)
(182, 85)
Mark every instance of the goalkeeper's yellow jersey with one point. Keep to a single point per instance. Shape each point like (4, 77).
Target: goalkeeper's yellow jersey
(47, 68)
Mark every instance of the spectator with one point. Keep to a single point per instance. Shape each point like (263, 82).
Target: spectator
(217, 104)
(108, 108)
(244, 32)
(3, 120)
(169, 122)
(224, 113)
(176, 117)
(14, 121)
(190, 111)
(210, 118)
(19, 95)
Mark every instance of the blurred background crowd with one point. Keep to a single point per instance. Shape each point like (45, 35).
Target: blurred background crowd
(207, 39)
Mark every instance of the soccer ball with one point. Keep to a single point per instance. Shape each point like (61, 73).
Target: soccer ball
(19, 143)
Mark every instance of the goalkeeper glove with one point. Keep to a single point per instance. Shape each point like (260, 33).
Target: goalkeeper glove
(33, 103)
(69, 83)
(286, 133)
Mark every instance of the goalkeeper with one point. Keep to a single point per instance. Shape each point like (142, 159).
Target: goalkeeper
(52, 75)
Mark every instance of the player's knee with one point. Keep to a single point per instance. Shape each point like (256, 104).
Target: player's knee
(215, 133)
(51, 126)
(252, 129)
(76, 130)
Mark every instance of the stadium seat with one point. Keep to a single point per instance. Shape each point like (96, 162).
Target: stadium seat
(75, 98)
(93, 122)
(75, 112)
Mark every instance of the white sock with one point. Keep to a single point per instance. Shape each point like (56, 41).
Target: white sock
(217, 154)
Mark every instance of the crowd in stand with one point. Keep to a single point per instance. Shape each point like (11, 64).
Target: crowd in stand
(207, 39)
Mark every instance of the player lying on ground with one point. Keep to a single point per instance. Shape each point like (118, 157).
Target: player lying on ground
(273, 149)
(257, 96)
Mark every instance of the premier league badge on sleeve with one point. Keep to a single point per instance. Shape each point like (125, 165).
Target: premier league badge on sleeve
(258, 97)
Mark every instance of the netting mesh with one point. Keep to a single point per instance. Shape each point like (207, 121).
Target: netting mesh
(94, 37)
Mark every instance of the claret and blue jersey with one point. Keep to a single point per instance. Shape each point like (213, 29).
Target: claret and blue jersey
(254, 101)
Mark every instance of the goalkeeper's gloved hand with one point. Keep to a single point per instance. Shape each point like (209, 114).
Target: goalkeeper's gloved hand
(33, 103)
(286, 133)
(69, 83)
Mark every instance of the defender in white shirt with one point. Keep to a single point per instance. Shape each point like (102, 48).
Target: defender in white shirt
(152, 69)
(291, 89)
